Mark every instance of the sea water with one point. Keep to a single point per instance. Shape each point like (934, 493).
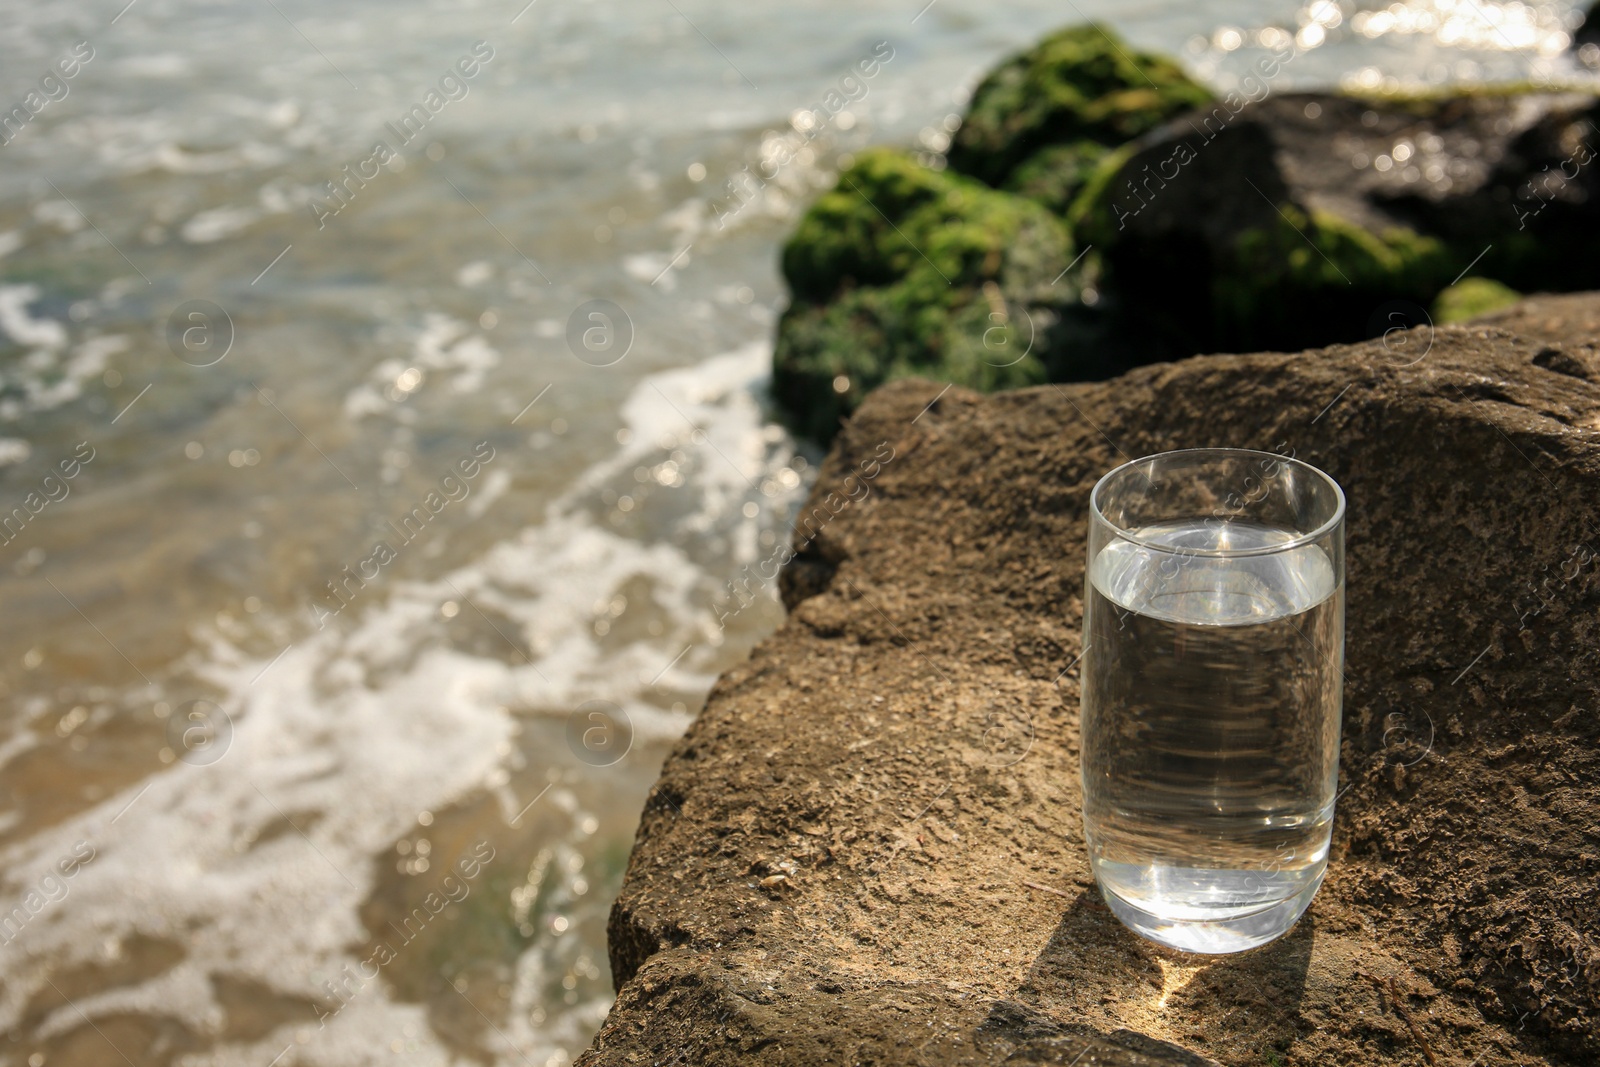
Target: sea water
(1210, 724)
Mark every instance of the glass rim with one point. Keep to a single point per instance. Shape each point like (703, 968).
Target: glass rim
(1298, 541)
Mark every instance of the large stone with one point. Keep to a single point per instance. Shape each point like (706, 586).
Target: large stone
(959, 275)
(905, 270)
(1040, 121)
(1284, 223)
(868, 847)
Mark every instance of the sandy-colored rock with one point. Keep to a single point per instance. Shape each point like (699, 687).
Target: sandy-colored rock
(868, 848)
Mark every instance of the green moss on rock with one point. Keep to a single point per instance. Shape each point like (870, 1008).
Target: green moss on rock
(1471, 297)
(1193, 271)
(1316, 270)
(1321, 251)
(1056, 174)
(904, 270)
(1194, 216)
(1040, 121)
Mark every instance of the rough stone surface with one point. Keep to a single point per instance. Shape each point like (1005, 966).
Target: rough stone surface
(868, 849)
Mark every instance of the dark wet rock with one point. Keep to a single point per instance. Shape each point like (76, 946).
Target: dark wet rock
(868, 848)
(1285, 222)
(1589, 32)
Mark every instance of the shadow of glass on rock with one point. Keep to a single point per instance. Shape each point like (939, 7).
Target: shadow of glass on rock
(1117, 987)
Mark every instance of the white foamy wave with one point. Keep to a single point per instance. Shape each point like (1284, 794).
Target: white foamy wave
(475, 273)
(442, 344)
(60, 214)
(364, 758)
(366, 722)
(43, 380)
(135, 144)
(22, 327)
(217, 223)
(651, 268)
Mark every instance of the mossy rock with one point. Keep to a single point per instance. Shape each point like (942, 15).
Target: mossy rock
(1056, 174)
(1271, 276)
(1208, 244)
(1062, 104)
(1471, 297)
(1237, 223)
(905, 270)
(1315, 271)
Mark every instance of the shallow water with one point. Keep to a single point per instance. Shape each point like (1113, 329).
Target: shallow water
(277, 672)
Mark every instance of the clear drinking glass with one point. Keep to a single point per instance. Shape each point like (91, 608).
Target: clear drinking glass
(1212, 669)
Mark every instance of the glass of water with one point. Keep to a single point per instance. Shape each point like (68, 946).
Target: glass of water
(1212, 668)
